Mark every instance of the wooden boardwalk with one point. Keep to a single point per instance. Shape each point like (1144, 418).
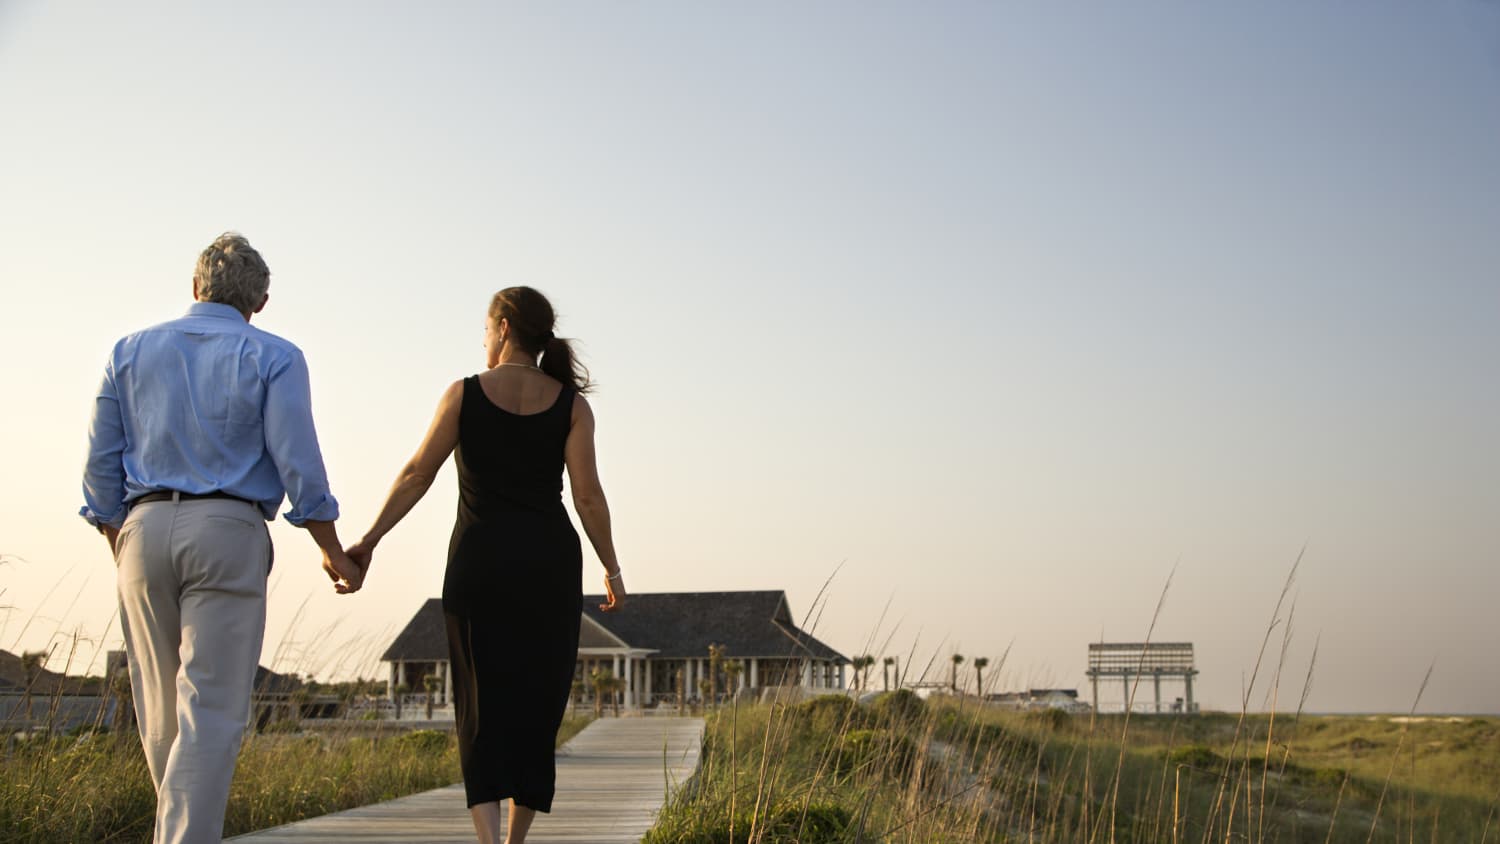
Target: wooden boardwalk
(611, 780)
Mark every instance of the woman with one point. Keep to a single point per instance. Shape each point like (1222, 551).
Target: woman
(511, 595)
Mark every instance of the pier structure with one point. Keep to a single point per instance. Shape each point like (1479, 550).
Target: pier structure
(1131, 662)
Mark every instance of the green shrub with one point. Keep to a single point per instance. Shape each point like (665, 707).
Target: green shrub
(998, 740)
(819, 823)
(865, 751)
(829, 712)
(424, 741)
(1356, 744)
(901, 707)
(1051, 718)
(1196, 756)
(1330, 779)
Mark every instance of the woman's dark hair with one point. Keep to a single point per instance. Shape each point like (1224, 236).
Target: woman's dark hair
(531, 321)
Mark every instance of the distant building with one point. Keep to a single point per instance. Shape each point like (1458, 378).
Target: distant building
(48, 700)
(658, 643)
(1132, 664)
(1035, 699)
(42, 699)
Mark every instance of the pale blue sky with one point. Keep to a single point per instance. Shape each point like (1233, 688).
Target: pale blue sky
(1011, 308)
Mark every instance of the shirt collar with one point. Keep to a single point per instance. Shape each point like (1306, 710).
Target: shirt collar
(215, 309)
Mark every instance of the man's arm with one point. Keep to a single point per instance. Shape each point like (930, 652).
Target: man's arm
(104, 469)
(292, 442)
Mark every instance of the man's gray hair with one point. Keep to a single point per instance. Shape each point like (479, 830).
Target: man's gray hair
(232, 273)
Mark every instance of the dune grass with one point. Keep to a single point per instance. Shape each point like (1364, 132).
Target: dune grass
(898, 770)
(95, 787)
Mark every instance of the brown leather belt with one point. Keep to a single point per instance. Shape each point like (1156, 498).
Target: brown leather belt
(167, 495)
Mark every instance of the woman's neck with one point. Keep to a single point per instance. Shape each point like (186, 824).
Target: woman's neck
(516, 359)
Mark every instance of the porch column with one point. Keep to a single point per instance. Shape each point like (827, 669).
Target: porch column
(629, 683)
(447, 682)
(754, 673)
(841, 677)
(1157, 677)
(390, 683)
(806, 672)
(646, 670)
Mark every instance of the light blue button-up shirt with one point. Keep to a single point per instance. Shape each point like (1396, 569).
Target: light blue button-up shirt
(205, 403)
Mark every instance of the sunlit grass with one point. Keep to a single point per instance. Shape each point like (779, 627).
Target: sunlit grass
(95, 787)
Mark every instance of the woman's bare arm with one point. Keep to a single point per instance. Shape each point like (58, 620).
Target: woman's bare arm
(589, 501)
(417, 475)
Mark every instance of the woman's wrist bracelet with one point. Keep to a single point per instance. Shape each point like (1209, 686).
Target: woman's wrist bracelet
(616, 576)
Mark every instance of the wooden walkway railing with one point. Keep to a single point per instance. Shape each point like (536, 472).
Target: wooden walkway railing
(611, 780)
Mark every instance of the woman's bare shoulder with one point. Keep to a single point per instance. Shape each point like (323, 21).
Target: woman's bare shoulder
(582, 410)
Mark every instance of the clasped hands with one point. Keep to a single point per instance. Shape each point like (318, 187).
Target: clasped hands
(347, 568)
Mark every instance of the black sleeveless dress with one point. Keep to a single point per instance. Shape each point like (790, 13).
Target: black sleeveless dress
(511, 598)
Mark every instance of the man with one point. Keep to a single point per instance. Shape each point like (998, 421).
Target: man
(201, 426)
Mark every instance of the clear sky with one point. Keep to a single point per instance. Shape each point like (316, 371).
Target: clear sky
(1002, 311)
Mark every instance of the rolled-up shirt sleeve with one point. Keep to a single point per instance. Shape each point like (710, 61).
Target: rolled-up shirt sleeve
(292, 442)
(104, 469)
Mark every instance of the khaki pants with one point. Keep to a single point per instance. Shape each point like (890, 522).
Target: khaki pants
(192, 587)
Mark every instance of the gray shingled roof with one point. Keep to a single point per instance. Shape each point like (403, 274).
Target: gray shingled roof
(674, 624)
(425, 637)
(684, 624)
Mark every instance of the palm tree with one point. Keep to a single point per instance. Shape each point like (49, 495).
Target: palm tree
(31, 663)
(431, 683)
(958, 659)
(577, 692)
(886, 665)
(980, 663)
(681, 690)
(732, 671)
(715, 653)
(612, 686)
(601, 678)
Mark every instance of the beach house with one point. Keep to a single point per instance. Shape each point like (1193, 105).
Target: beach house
(660, 645)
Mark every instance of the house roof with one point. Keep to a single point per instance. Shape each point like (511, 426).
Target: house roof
(684, 624)
(13, 678)
(673, 624)
(425, 637)
(268, 682)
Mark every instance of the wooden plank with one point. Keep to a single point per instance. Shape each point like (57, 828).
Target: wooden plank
(611, 780)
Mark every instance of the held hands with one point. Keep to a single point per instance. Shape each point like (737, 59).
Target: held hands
(614, 591)
(362, 552)
(346, 574)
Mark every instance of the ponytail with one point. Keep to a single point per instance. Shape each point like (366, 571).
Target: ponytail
(559, 362)
(532, 319)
